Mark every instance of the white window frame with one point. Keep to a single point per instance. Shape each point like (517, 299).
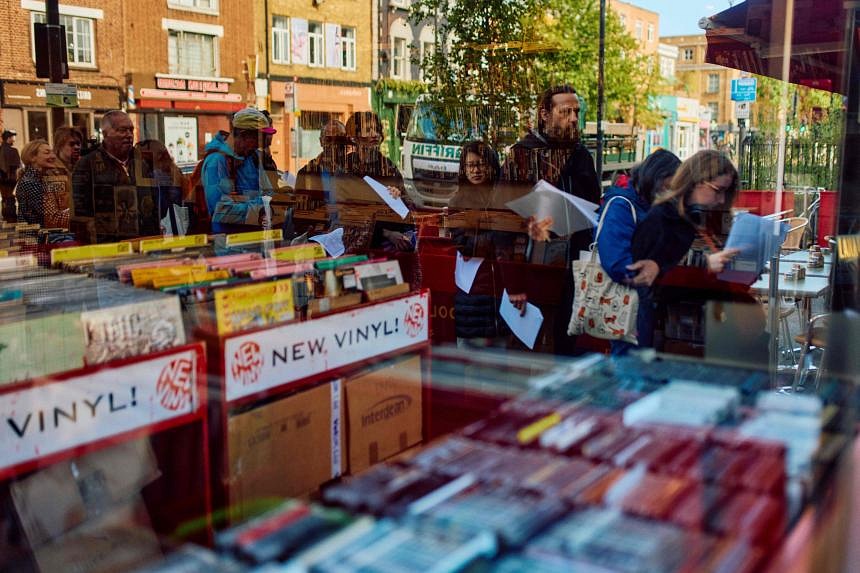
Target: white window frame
(405, 4)
(347, 48)
(215, 10)
(715, 111)
(285, 39)
(650, 32)
(319, 38)
(74, 18)
(638, 33)
(406, 64)
(689, 54)
(216, 55)
(713, 86)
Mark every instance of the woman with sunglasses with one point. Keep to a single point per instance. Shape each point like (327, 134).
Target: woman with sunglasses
(704, 182)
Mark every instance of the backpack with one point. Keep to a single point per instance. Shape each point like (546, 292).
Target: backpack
(197, 193)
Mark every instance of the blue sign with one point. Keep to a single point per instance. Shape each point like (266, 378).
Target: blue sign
(743, 89)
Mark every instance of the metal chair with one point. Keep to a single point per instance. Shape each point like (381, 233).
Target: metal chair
(794, 238)
(814, 337)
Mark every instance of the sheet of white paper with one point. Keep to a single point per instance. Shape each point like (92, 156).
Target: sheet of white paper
(289, 179)
(466, 271)
(397, 205)
(754, 237)
(331, 242)
(526, 327)
(181, 217)
(569, 212)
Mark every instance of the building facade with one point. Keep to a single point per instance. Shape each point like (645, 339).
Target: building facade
(95, 50)
(186, 70)
(642, 24)
(315, 64)
(402, 47)
(708, 83)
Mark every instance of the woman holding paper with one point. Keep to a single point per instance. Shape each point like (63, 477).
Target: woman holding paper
(704, 182)
(479, 275)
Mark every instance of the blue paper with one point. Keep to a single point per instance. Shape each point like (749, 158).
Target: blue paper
(755, 238)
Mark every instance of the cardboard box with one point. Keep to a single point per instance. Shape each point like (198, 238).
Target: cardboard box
(383, 409)
(68, 494)
(284, 449)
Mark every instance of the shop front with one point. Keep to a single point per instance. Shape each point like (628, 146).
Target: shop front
(300, 109)
(183, 113)
(25, 109)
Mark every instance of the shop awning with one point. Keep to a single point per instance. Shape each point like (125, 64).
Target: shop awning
(748, 37)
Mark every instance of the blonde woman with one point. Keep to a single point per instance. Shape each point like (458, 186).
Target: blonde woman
(41, 194)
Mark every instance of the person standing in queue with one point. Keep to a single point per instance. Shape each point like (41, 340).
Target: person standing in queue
(10, 163)
(555, 154)
(636, 194)
(39, 194)
(704, 182)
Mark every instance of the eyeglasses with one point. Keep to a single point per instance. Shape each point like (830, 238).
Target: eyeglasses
(476, 166)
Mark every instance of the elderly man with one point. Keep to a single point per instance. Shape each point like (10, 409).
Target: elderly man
(107, 204)
(315, 177)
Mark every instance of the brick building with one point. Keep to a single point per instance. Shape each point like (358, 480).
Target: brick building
(642, 24)
(185, 69)
(95, 53)
(315, 64)
(709, 83)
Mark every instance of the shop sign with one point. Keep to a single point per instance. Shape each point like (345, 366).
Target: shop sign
(36, 95)
(189, 95)
(192, 85)
(61, 95)
(50, 418)
(266, 359)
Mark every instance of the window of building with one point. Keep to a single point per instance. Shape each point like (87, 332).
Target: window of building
(280, 39)
(201, 5)
(80, 39)
(638, 33)
(713, 83)
(399, 58)
(688, 54)
(192, 54)
(427, 49)
(715, 111)
(667, 67)
(316, 56)
(650, 32)
(347, 47)
(624, 20)
(400, 3)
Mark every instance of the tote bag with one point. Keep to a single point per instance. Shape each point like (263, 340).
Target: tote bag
(602, 308)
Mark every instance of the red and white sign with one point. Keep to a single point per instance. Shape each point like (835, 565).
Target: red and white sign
(262, 360)
(188, 95)
(49, 418)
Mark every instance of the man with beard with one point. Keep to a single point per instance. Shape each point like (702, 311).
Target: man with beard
(107, 205)
(555, 154)
(315, 178)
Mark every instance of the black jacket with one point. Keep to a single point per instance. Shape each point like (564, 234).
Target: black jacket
(663, 236)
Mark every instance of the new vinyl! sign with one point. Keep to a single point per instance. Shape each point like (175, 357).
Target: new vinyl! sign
(58, 416)
(262, 360)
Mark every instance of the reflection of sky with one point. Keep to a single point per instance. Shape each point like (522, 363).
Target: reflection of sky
(682, 18)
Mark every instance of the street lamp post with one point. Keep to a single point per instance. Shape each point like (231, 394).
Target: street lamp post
(600, 66)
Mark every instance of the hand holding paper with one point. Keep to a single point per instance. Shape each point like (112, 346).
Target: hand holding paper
(331, 242)
(569, 213)
(466, 271)
(396, 203)
(525, 327)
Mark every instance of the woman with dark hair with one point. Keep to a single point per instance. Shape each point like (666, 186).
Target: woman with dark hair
(476, 317)
(705, 181)
(624, 206)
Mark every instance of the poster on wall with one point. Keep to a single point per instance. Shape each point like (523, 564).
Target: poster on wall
(180, 137)
(299, 51)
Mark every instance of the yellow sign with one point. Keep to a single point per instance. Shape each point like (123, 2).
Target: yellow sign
(249, 306)
(298, 253)
(168, 243)
(104, 251)
(4, 253)
(254, 237)
(191, 278)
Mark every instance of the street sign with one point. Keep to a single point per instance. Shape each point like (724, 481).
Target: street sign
(61, 95)
(743, 89)
(742, 109)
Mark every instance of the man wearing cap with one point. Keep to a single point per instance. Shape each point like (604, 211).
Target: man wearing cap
(232, 176)
(10, 162)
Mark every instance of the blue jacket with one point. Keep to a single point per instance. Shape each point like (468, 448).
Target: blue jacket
(217, 181)
(613, 245)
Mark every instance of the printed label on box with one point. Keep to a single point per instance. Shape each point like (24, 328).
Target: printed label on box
(54, 417)
(262, 360)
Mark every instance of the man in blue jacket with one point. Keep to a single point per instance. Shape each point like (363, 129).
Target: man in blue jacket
(230, 171)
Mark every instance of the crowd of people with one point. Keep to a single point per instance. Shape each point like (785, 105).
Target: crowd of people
(650, 218)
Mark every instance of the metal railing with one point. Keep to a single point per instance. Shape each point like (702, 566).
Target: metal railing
(808, 163)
